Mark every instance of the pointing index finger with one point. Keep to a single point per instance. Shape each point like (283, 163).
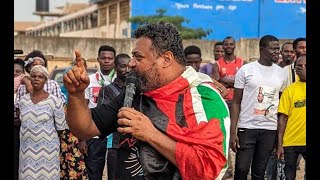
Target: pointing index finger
(79, 60)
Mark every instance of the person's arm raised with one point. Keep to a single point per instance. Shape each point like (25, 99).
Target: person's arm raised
(79, 119)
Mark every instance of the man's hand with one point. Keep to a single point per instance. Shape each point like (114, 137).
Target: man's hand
(136, 124)
(280, 152)
(83, 147)
(301, 72)
(76, 80)
(234, 142)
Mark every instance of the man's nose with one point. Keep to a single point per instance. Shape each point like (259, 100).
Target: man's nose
(128, 69)
(132, 63)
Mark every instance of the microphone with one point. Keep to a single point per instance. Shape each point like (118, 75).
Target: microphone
(131, 83)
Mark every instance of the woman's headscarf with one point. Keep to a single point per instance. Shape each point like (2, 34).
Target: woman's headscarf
(30, 60)
(40, 68)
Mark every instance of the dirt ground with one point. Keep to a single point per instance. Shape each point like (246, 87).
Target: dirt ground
(300, 173)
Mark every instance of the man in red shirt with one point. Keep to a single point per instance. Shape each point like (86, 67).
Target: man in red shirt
(224, 71)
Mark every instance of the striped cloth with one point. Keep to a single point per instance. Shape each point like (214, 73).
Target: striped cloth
(39, 141)
(193, 113)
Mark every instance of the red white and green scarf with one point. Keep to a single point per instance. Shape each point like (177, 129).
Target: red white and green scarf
(193, 113)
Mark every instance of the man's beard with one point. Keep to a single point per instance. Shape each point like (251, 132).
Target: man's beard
(150, 80)
(288, 60)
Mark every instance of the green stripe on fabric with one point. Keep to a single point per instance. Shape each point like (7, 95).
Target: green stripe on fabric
(214, 107)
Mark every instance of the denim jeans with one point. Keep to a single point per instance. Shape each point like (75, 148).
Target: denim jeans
(291, 154)
(256, 146)
(95, 160)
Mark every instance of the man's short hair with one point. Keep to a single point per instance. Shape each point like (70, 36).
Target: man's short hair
(295, 42)
(285, 44)
(120, 56)
(106, 48)
(192, 50)
(164, 37)
(219, 43)
(228, 37)
(264, 41)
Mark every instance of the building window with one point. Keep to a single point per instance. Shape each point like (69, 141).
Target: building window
(94, 19)
(125, 32)
(103, 16)
(113, 14)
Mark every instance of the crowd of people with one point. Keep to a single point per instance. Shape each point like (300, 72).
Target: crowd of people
(184, 120)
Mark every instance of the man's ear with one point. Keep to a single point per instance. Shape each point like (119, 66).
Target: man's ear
(168, 59)
(261, 49)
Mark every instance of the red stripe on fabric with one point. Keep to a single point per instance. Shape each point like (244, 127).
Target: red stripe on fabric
(188, 109)
(168, 107)
(175, 87)
(201, 145)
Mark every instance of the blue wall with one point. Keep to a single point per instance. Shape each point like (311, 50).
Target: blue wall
(237, 18)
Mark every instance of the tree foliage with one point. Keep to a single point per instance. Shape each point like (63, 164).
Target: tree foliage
(185, 32)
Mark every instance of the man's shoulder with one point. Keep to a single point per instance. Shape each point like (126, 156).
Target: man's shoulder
(295, 85)
(220, 60)
(112, 89)
(249, 65)
(109, 86)
(280, 70)
(94, 80)
(204, 77)
(93, 76)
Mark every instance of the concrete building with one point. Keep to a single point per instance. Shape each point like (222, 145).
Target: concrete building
(100, 19)
(20, 27)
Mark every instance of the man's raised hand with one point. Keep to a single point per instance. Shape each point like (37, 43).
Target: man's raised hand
(76, 80)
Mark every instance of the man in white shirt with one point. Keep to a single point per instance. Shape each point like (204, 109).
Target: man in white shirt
(255, 103)
(95, 148)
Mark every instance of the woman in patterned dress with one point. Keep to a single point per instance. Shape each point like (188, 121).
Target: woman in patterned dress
(42, 117)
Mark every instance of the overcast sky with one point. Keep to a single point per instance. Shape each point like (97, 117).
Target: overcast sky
(23, 9)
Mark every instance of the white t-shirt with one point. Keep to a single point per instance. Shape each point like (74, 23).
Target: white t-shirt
(261, 86)
(97, 80)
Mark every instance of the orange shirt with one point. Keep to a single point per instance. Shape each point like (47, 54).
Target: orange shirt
(229, 70)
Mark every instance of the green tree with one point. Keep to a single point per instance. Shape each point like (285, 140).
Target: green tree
(186, 33)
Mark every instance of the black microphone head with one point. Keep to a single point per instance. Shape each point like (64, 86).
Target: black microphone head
(132, 78)
(131, 84)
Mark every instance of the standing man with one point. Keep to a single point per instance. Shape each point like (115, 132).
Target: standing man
(224, 71)
(300, 49)
(287, 54)
(255, 103)
(288, 58)
(95, 148)
(193, 59)
(292, 121)
(218, 52)
(118, 143)
(178, 122)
